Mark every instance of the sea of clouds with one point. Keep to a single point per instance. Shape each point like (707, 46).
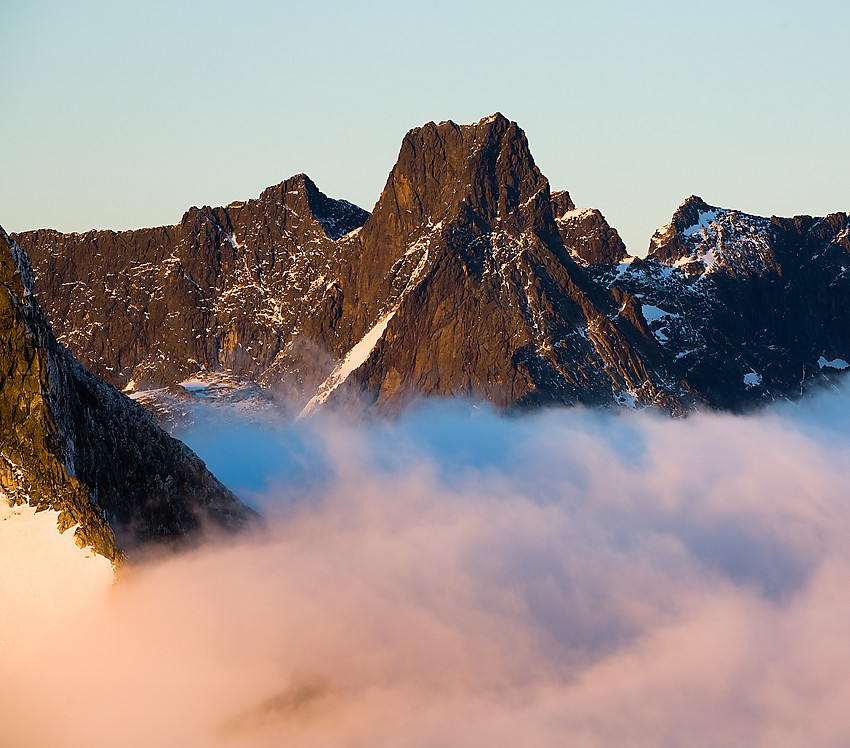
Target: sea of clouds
(461, 578)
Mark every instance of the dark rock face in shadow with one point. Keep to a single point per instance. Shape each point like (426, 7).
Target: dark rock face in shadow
(72, 443)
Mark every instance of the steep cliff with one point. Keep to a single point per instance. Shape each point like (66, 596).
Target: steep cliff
(72, 443)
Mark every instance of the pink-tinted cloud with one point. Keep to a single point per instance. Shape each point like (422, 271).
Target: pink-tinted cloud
(563, 579)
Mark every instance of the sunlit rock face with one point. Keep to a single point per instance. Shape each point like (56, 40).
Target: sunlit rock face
(461, 267)
(469, 278)
(73, 444)
(498, 309)
(586, 234)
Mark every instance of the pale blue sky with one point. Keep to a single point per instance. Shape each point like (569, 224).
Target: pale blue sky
(121, 115)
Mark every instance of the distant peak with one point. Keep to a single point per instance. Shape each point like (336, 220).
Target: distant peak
(298, 194)
(303, 181)
(496, 116)
(299, 183)
(689, 212)
(695, 201)
(497, 119)
(562, 203)
(337, 217)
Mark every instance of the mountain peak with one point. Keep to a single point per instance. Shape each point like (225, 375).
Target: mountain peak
(470, 278)
(562, 203)
(689, 211)
(670, 242)
(336, 217)
(298, 196)
(484, 171)
(702, 238)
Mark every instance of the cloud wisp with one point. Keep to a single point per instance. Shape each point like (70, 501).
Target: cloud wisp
(459, 578)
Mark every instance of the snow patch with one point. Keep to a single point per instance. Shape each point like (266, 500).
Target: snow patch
(532, 198)
(354, 359)
(752, 379)
(709, 259)
(836, 363)
(193, 385)
(484, 121)
(655, 314)
(351, 234)
(623, 267)
(144, 394)
(705, 219)
(361, 351)
(574, 213)
(211, 382)
(231, 238)
(626, 398)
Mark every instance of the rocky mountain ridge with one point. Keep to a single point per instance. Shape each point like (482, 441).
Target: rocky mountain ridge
(469, 278)
(748, 308)
(72, 443)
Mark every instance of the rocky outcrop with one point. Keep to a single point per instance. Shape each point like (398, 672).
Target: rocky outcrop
(460, 275)
(586, 234)
(72, 443)
(745, 309)
(470, 278)
(496, 307)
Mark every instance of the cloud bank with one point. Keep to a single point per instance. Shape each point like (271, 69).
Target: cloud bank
(457, 578)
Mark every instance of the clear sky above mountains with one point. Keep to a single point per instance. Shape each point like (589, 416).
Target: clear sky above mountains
(122, 115)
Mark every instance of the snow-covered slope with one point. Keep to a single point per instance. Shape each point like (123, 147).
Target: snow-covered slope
(703, 239)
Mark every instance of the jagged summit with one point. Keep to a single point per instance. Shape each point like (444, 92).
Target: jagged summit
(689, 211)
(588, 237)
(562, 203)
(484, 172)
(336, 217)
(668, 241)
(298, 196)
(703, 238)
(473, 288)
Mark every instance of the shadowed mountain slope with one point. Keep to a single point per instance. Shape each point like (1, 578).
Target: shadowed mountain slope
(72, 443)
(746, 309)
